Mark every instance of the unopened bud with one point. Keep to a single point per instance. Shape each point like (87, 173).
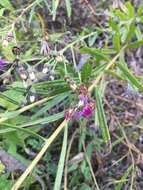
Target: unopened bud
(45, 70)
(32, 76)
(22, 73)
(32, 98)
(10, 36)
(59, 58)
(5, 43)
(52, 77)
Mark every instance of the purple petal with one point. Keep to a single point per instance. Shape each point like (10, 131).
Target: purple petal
(83, 99)
(2, 63)
(87, 111)
(78, 115)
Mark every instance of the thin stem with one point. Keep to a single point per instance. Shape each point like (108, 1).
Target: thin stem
(67, 158)
(90, 167)
(39, 155)
(75, 66)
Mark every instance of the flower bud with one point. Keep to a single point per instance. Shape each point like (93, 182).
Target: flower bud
(59, 58)
(32, 98)
(4, 43)
(32, 76)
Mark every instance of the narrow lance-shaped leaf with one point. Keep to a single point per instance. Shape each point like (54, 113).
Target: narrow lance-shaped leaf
(6, 4)
(43, 121)
(130, 77)
(135, 44)
(86, 71)
(101, 54)
(55, 4)
(102, 118)
(130, 8)
(116, 41)
(130, 32)
(50, 104)
(68, 6)
(57, 185)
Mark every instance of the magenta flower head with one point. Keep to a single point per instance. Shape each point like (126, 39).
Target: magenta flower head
(2, 64)
(87, 111)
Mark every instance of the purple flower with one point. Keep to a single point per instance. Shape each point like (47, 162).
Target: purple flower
(2, 64)
(87, 111)
(83, 99)
(84, 108)
(77, 115)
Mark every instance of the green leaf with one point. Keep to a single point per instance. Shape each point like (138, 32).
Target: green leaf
(68, 6)
(84, 186)
(123, 178)
(92, 39)
(101, 54)
(116, 41)
(11, 99)
(13, 140)
(113, 25)
(55, 4)
(131, 31)
(138, 33)
(45, 120)
(86, 71)
(2, 11)
(130, 77)
(140, 10)
(42, 121)
(8, 53)
(31, 15)
(50, 104)
(57, 185)
(131, 11)
(135, 44)
(120, 14)
(55, 36)
(6, 4)
(102, 118)
(16, 128)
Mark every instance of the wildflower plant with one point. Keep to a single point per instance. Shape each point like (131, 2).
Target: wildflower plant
(57, 86)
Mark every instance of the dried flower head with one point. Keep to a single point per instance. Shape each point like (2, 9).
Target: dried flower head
(83, 89)
(45, 49)
(22, 73)
(16, 50)
(71, 83)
